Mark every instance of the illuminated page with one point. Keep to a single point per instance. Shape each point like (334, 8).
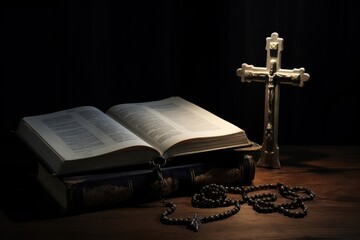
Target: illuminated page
(82, 132)
(175, 123)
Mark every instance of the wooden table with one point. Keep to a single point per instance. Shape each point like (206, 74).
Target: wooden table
(332, 172)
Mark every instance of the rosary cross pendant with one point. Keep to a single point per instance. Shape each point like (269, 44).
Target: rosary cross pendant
(272, 75)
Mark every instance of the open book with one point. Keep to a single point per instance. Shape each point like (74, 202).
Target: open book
(84, 138)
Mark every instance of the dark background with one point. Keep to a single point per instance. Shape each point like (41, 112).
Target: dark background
(62, 54)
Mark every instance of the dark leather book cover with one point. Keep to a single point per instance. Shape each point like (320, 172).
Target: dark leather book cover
(100, 190)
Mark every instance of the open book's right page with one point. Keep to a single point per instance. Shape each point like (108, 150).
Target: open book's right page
(175, 126)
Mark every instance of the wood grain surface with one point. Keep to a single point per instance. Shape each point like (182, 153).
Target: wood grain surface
(332, 172)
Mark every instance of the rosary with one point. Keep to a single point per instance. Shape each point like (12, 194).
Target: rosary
(215, 195)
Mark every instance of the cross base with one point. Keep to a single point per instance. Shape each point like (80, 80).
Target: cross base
(269, 159)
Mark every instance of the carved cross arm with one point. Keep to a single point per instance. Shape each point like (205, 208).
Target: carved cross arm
(296, 76)
(249, 73)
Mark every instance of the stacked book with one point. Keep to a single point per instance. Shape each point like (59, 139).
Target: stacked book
(135, 152)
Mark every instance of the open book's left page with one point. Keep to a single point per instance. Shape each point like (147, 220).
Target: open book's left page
(79, 133)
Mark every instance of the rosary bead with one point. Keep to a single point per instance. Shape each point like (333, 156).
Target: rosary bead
(268, 210)
(229, 213)
(297, 200)
(172, 221)
(286, 212)
(280, 209)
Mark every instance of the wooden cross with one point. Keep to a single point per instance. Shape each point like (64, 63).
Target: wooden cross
(273, 76)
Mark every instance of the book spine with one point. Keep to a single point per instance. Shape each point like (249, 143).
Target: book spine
(130, 188)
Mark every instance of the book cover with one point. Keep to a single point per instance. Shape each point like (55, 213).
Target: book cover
(102, 190)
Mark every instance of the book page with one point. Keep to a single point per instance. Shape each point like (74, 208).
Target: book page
(82, 132)
(170, 121)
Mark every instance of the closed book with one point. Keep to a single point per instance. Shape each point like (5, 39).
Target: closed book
(100, 190)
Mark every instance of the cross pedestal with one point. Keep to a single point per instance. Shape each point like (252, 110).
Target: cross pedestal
(272, 75)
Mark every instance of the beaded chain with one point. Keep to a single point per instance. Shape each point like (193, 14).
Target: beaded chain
(214, 195)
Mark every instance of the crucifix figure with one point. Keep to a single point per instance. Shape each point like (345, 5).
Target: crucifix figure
(272, 75)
